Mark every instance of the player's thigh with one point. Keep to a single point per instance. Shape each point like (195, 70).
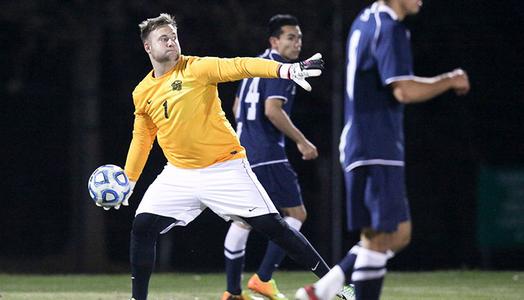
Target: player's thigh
(358, 215)
(231, 189)
(386, 197)
(376, 197)
(173, 194)
(281, 183)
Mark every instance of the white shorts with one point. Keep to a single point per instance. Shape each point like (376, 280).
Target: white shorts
(230, 189)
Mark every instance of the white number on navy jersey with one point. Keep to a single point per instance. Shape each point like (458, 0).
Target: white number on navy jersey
(239, 129)
(252, 98)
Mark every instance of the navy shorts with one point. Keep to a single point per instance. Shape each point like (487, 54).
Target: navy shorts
(281, 183)
(376, 198)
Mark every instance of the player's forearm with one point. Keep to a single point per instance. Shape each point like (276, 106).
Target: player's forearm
(144, 133)
(421, 89)
(215, 70)
(137, 156)
(282, 122)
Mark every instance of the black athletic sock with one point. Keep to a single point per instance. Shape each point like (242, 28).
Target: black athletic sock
(142, 250)
(142, 254)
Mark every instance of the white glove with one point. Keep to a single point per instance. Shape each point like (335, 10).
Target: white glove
(125, 202)
(298, 72)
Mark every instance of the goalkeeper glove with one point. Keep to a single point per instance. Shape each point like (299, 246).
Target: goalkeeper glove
(125, 202)
(298, 72)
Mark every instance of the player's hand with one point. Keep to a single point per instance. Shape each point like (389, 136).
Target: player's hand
(308, 150)
(298, 72)
(460, 81)
(125, 202)
(126, 199)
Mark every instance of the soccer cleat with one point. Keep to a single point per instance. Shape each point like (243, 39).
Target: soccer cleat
(268, 289)
(244, 296)
(306, 293)
(346, 293)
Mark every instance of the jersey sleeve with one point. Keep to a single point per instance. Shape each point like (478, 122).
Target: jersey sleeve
(278, 88)
(144, 132)
(214, 70)
(393, 53)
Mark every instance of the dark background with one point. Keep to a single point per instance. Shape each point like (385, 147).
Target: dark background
(68, 69)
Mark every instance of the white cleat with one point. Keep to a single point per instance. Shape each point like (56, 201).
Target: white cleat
(347, 293)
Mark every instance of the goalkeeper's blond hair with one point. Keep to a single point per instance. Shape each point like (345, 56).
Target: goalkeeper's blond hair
(151, 24)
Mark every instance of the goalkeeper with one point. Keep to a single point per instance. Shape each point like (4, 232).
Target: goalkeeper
(177, 103)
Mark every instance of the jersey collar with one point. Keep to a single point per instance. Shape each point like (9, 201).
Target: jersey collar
(382, 7)
(274, 55)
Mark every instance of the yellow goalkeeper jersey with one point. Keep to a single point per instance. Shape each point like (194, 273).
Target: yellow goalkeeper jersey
(183, 111)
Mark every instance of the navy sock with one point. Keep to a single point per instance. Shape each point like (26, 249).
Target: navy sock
(368, 289)
(348, 263)
(272, 259)
(234, 269)
(368, 274)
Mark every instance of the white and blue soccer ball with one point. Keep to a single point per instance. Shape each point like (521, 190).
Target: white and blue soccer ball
(108, 186)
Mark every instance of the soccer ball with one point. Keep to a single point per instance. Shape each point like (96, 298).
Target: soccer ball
(108, 186)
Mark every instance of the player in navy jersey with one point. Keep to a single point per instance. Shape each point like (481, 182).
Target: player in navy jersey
(262, 108)
(379, 81)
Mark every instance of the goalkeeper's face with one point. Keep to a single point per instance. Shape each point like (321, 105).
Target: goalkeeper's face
(162, 44)
(288, 43)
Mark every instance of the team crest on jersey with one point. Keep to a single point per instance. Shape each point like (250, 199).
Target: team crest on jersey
(176, 85)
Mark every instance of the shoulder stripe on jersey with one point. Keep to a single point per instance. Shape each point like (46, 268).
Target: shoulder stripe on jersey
(272, 52)
(266, 53)
(399, 78)
(381, 7)
(268, 163)
(385, 162)
(277, 97)
(376, 9)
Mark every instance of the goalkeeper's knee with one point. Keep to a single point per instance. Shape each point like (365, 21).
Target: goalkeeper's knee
(144, 234)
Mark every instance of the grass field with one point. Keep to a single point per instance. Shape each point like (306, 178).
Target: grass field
(192, 286)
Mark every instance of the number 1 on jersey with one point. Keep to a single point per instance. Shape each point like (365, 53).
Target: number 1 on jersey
(166, 114)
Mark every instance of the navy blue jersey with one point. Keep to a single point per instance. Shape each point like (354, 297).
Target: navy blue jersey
(378, 53)
(264, 143)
